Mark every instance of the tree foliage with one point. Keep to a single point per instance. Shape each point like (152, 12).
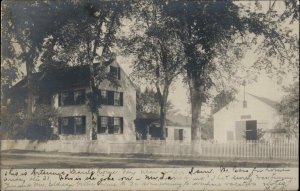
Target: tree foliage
(289, 109)
(15, 124)
(148, 102)
(222, 99)
(158, 51)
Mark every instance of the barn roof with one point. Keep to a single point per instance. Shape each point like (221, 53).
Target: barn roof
(267, 101)
(264, 100)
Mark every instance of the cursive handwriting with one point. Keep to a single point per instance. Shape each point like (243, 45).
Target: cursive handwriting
(222, 178)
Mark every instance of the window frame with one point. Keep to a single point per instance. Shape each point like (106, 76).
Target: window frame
(72, 122)
(110, 100)
(110, 129)
(99, 124)
(115, 72)
(71, 96)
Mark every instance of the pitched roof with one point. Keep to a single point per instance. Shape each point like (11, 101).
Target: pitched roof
(56, 80)
(267, 101)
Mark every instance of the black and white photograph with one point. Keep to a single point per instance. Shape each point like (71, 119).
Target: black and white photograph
(149, 95)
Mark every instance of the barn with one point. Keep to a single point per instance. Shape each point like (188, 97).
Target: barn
(248, 117)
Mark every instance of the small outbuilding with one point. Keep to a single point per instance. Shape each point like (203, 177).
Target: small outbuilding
(248, 117)
(148, 128)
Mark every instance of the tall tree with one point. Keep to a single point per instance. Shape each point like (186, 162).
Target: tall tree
(202, 28)
(26, 26)
(89, 37)
(159, 54)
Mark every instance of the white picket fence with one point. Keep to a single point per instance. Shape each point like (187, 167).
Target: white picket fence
(250, 149)
(281, 150)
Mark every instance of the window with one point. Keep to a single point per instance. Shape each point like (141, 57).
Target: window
(117, 125)
(66, 98)
(72, 125)
(111, 98)
(65, 121)
(116, 98)
(79, 97)
(115, 72)
(110, 125)
(79, 125)
(76, 97)
(178, 134)
(102, 124)
(166, 132)
(245, 116)
(103, 97)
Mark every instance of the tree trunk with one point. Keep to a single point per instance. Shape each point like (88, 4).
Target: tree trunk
(196, 93)
(196, 113)
(163, 98)
(94, 125)
(29, 89)
(163, 120)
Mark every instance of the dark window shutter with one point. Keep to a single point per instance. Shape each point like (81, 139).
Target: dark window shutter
(59, 125)
(84, 124)
(71, 96)
(110, 96)
(121, 98)
(71, 125)
(121, 124)
(119, 73)
(98, 124)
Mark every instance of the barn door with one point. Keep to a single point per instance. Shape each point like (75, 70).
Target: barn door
(251, 130)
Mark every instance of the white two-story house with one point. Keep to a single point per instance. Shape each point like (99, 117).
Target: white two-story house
(67, 89)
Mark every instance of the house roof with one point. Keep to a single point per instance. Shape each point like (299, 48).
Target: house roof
(56, 80)
(267, 101)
